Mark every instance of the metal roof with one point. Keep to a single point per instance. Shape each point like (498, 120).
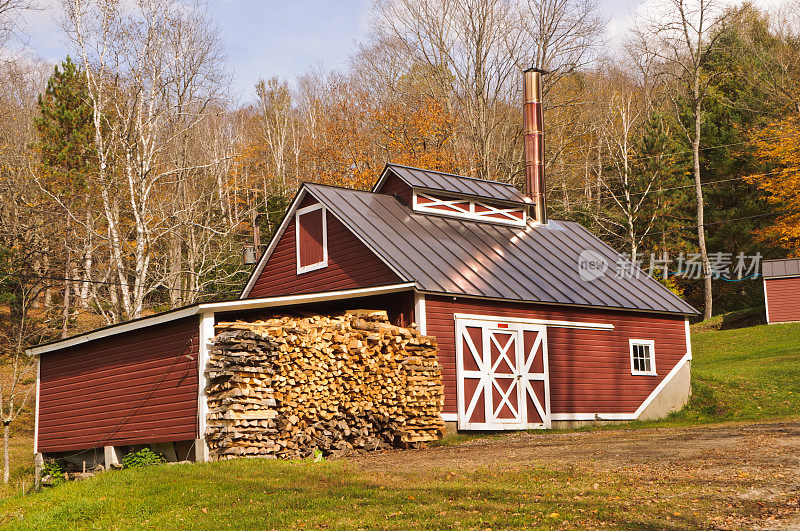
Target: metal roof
(447, 182)
(789, 267)
(537, 263)
(213, 307)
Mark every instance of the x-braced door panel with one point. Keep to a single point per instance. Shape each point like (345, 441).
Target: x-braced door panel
(502, 375)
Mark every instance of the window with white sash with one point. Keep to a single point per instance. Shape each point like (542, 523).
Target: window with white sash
(643, 357)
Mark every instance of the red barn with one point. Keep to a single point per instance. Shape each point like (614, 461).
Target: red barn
(782, 290)
(539, 322)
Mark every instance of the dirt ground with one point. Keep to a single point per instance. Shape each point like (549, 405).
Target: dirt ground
(756, 463)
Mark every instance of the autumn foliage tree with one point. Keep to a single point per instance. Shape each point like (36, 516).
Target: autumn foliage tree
(778, 145)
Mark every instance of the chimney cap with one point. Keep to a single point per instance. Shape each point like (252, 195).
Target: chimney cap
(535, 69)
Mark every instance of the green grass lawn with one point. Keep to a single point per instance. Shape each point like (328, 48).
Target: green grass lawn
(268, 494)
(745, 374)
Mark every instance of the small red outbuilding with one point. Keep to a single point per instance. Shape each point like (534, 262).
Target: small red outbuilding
(782, 290)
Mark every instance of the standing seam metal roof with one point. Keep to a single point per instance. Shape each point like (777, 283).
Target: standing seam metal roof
(537, 263)
(789, 267)
(446, 182)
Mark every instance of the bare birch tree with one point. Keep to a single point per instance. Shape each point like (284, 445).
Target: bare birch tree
(680, 35)
(28, 226)
(152, 69)
(626, 190)
(483, 45)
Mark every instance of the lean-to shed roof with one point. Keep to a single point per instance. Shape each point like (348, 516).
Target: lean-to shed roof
(789, 267)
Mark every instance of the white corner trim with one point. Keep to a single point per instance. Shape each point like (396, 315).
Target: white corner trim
(450, 417)
(36, 414)
(239, 304)
(203, 349)
(546, 322)
(688, 339)
(318, 265)
(649, 343)
(660, 387)
(419, 313)
(766, 302)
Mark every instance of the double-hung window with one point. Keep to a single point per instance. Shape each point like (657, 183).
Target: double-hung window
(643, 357)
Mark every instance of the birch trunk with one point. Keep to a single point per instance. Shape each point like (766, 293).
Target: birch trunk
(6, 451)
(701, 231)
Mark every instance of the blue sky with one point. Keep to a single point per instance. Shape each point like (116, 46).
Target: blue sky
(278, 38)
(268, 38)
(264, 38)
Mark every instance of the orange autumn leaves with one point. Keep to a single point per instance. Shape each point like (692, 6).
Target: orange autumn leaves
(359, 133)
(419, 134)
(343, 134)
(779, 145)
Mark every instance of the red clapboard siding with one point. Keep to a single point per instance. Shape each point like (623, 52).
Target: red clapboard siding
(394, 185)
(590, 370)
(132, 388)
(783, 299)
(350, 265)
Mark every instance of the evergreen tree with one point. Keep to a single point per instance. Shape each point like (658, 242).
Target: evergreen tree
(736, 107)
(65, 124)
(66, 136)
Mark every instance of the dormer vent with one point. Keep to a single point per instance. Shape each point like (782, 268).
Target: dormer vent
(470, 208)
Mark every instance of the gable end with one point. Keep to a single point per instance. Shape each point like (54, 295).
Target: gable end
(329, 257)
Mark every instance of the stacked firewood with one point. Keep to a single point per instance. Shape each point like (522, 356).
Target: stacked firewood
(291, 387)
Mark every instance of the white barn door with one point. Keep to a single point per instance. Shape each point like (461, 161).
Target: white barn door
(502, 374)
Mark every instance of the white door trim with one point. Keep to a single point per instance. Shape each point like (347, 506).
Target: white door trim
(523, 362)
(545, 322)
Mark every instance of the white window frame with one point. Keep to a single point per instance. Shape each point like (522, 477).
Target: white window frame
(319, 265)
(652, 347)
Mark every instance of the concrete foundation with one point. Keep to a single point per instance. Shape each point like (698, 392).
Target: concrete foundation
(167, 450)
(38, 464)
(110, 456)
(673, 397)
(201, 450)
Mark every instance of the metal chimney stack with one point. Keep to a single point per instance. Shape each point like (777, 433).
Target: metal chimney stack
(533, 133)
